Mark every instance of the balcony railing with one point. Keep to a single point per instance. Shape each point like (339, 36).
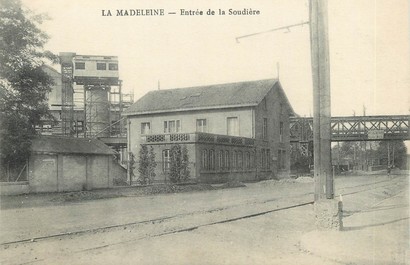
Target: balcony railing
(198, 137)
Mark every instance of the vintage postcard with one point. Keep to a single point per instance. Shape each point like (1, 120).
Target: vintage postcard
(204, 132)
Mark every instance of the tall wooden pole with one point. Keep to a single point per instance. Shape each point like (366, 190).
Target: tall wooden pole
(321, 100)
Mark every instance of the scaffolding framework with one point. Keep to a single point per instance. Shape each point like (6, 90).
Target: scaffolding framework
(91, 97)
(67, 99)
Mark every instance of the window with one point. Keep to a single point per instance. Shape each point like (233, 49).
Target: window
(248, 160)
(204, 160)
(227, 161)
(221, 163)
(234, 160)
(101, 66)
(201, 125)
(145, 128)
(265, 128)
(232, 126)
(281, 132)
(263, 155)
(80, 66)
(211, 159)
(165, 160)
(240, 160)
(281, 159)
(172, 126)
(268, 158)
(113, 66)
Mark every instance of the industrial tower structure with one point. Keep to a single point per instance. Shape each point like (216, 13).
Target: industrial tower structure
(93, 82)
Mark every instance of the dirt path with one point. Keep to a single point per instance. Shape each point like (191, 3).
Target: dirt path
(164, 229)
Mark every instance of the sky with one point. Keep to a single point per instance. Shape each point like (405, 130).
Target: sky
(369, 47)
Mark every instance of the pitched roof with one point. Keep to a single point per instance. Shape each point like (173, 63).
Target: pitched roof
(240, 94)
(60, 144)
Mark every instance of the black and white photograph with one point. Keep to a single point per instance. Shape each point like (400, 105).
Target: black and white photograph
(205, 132)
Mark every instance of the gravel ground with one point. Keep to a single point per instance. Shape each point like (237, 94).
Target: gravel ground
(208, 227)
(46, 199)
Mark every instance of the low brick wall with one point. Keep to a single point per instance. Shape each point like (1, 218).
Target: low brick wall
(14, 188)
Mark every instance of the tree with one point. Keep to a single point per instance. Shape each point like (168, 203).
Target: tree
(179, 164)
(143, 165)
(24, 86)
(175, 163)
(299, 162)
(146, 165)
(185, 173)
(396, 151)
(131, 166)
(152, 165)
(378, 151)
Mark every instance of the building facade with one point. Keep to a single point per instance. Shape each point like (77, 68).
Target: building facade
(236, 131)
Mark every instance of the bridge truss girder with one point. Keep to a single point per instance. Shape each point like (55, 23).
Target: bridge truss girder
(356, 128)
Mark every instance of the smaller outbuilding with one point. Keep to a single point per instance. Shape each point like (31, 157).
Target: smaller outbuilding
(58, 164)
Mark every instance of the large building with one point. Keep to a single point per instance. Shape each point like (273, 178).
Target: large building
(232, 131)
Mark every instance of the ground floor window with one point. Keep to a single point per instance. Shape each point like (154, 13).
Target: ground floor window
(263, 158)
(221, 162)
(281, 159)
(227, 160)
(166, 159)
(224, 160)
(204, 159)
(211, 160)
(252, 160)
(240, 160)
(247, 160)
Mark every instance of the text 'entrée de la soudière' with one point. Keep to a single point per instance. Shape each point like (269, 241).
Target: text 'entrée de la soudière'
(181, 12)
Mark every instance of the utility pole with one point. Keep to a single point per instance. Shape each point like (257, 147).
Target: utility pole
(321, 100)
(365, 162)
(328, 212)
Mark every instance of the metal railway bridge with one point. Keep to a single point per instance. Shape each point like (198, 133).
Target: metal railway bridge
(352, 128)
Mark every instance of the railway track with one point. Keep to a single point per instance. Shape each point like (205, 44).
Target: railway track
(191, 221)
(218, 209)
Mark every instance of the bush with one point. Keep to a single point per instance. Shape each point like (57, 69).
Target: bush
(179, 164)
